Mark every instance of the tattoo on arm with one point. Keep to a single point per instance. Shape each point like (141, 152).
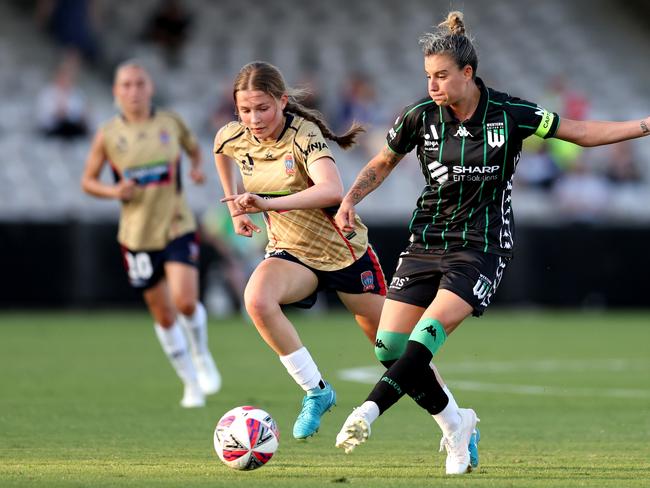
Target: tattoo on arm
(644, 127)
(369, 179)
(390, 157)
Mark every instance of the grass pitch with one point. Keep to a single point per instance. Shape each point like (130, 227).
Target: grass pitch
(88, 399)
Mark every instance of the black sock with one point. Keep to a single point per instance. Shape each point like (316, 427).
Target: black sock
(412, 375)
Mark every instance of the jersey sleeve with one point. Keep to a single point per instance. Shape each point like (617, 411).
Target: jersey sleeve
(227, 133)
(186, 137)
(311, 145)
(531, 119)
(401, 137)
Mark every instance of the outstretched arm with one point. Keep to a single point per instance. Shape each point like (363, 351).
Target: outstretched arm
(243, 225)
(90, 182)
(326, 191)
(589, 133)
(369, 178)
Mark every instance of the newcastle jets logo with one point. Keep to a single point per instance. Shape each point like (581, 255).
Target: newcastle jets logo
(495, 134)
(462, 132)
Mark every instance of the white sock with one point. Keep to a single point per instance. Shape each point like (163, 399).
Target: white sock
(449, 419)
(368, 410)
(302, 368)
(174, 344)
(196, 329)
(452, 400)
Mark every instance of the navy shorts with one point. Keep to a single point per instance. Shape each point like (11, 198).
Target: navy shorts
(146, 268)
(363, 276)
(471, 274)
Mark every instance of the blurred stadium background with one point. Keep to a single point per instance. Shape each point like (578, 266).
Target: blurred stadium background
(583, 216)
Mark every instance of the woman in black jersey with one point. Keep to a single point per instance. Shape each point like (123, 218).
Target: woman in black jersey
(468, 139)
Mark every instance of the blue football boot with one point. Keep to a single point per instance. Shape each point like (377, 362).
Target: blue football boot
(314, 405)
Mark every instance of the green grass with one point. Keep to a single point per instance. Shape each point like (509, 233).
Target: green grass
(88, 399)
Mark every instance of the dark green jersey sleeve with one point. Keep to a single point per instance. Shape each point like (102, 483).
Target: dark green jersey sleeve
(402, 137)
(532, 119)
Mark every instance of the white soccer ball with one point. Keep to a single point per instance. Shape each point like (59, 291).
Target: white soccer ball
(246, 437)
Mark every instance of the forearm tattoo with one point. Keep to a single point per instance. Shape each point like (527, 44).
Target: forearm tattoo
(644, 127)
(369, 179)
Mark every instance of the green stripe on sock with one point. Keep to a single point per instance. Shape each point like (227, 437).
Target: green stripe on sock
(430, 333)
(390, 345)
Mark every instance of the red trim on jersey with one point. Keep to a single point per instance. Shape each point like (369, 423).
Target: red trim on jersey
(378, 271)
(338, 231)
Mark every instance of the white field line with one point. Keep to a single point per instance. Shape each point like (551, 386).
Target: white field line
(371, 374)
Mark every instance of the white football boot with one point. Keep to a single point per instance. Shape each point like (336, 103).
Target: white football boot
(355, 431)
(457, 443)
(207, 373)
(193, 396)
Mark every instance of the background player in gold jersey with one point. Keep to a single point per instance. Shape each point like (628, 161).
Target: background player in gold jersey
(157, 229)
(289, 174)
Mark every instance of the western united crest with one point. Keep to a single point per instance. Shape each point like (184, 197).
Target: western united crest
(495, 134)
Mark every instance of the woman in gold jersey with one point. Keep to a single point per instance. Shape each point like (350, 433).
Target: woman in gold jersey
(157, 234)
(289, 175)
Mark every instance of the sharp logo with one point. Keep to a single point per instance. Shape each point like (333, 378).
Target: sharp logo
(475, 169)
(475, 173)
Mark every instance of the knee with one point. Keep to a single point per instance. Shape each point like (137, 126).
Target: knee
(389, 346)
(166, 318)
(186, 306)
(259, 305)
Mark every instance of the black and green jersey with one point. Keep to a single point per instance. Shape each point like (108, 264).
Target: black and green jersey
(468, 168)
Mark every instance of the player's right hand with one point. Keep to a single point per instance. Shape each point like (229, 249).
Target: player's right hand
(125, 190)
(345, 217)
(244, 226)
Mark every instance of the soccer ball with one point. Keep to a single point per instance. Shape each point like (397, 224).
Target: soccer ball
(246, 438)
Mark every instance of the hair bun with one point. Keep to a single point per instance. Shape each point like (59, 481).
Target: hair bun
(454, 23)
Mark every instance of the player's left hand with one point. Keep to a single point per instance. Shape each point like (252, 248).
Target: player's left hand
(197, 175)
(247, 203)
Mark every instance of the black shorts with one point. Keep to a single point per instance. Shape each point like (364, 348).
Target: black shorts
(146, 268)
(471, 274)
(363, 276)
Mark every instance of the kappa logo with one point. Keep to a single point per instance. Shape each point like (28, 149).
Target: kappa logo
(379, 344)
(439, 172)
(462, 132)
(431, 331)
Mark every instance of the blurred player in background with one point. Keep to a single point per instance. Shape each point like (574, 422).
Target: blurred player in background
(468, 140)
(157, 235)
(289, 174)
